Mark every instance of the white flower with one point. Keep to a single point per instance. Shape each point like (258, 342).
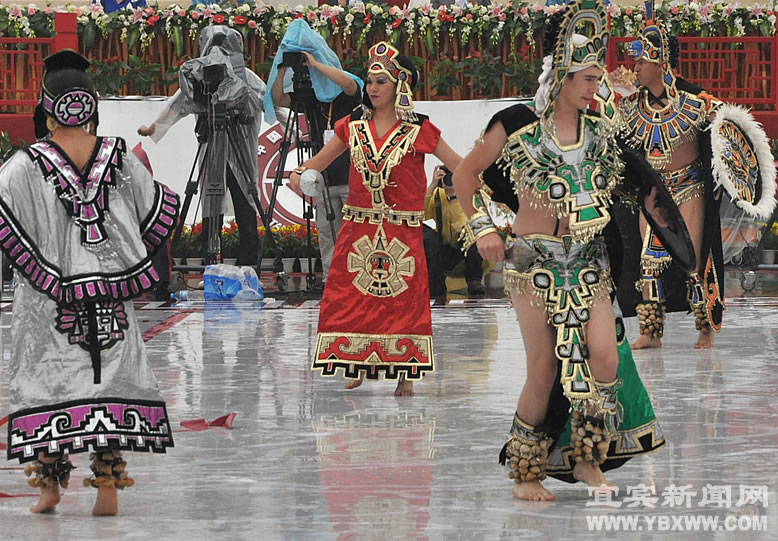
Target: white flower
(425, 20)
(349, 18)
(376, 10)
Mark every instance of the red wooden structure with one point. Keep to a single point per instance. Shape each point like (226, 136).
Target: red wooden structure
(740, 70)
(21, 69)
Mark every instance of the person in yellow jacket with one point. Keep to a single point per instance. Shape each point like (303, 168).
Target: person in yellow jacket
(441, 245)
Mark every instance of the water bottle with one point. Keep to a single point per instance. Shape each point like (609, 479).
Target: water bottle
(179, 296)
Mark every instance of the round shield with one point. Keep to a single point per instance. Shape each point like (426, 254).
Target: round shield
(742, 162)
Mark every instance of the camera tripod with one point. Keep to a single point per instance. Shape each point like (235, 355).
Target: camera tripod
(218, 119)
(303, 101)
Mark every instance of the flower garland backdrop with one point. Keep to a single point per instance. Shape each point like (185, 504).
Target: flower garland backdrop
(150, 43)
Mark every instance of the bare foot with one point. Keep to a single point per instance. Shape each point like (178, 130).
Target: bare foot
(645, 342)
(49, 499)
(354, 383)
(705, 341)
(532, 491)
(404, 388)
(107, 503)
(592, 476)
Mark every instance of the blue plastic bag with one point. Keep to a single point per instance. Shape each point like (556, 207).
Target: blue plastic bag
(227, 282)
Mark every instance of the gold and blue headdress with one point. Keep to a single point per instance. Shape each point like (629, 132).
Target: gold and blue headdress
(656, 50)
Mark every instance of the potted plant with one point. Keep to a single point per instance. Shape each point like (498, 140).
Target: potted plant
(230, 243)
(523, 73)
(769, 244)
(188, 245)
(484, 73)
(291, 245)
(7, 148)
(444, 79)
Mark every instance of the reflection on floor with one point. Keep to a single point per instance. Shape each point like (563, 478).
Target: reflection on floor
(306, 459)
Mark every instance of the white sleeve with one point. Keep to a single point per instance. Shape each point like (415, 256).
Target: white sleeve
(167, 118)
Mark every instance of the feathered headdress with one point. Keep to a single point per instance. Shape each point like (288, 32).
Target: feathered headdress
(662, 54)
(576, 39)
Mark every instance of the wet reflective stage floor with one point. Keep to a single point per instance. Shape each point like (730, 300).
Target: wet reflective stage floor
(306, 459)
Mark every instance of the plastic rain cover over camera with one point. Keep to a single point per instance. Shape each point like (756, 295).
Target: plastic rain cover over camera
(219, 46)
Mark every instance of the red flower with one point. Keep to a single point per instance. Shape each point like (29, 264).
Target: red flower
(396, 23)
(218, 18)
(153, 19)
(367, 19)
(240, 19)
(299, 16)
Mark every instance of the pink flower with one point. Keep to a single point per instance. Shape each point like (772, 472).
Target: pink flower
(95, 8)
(360, 8)
(149, 11)
(182, 13)
(137, 15)
(496, 10)
(757, 11)
(469, 16)
(612, 9)
(15, 12)
(311, 16)
(628, 11)
(48, 11)
(31, 11)
(524, 10)
(502, 16)
(195, 15)
(252, 24)
(705, 10)
(207, 12)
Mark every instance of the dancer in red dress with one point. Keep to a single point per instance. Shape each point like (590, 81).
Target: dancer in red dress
(375, 313)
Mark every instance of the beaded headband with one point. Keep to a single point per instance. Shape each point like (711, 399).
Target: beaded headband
(75, 107)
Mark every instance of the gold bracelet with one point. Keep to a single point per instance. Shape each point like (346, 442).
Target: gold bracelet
(299, 170)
